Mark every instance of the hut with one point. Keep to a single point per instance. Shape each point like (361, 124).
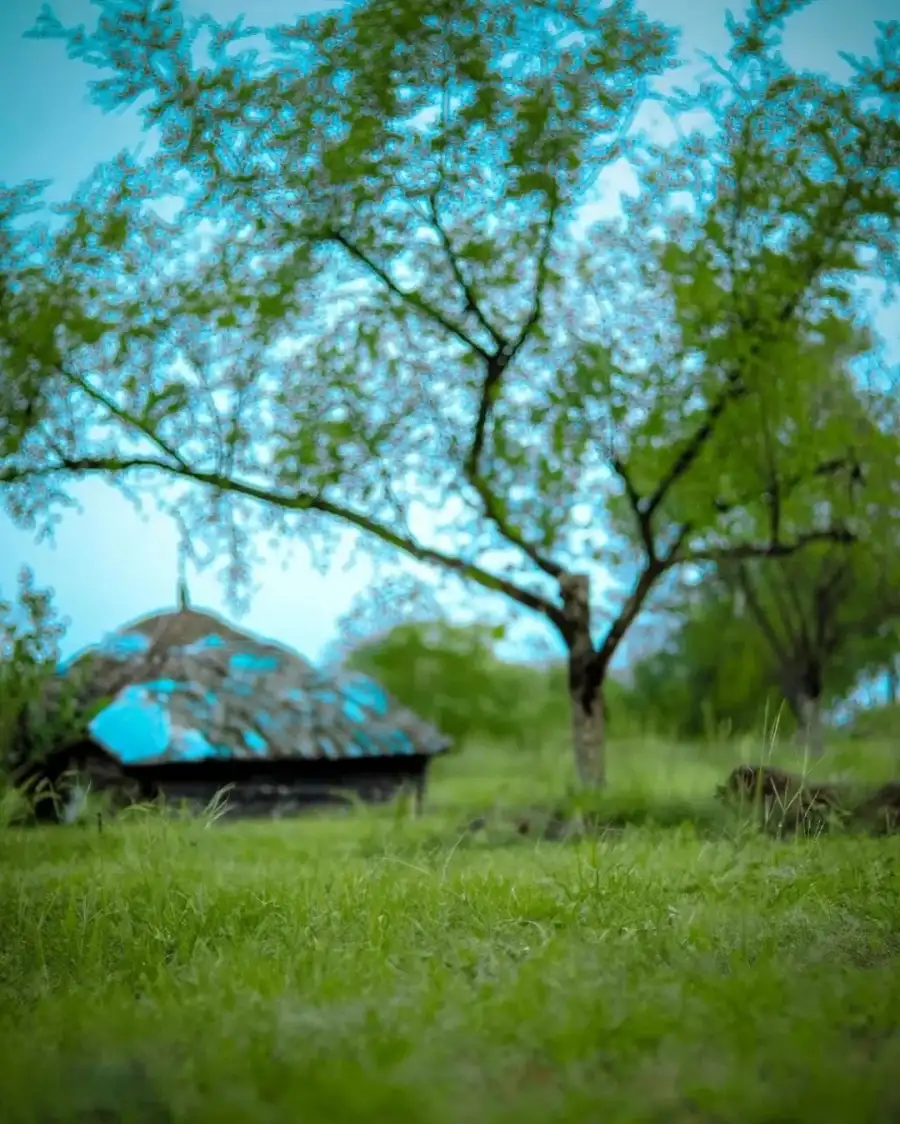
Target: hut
(184, 704)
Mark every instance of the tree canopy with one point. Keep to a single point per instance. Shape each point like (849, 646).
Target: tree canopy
(354, 286)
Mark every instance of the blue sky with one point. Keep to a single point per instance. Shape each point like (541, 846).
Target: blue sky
(109, 564)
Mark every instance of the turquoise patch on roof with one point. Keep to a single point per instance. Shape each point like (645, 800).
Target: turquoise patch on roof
(191, 745)
(400, 743)
(367, 693)
(132, 727)
(162, 686)
(248, 661)
(255, 743)
(353, 711)
(205, 643)
(207, 696)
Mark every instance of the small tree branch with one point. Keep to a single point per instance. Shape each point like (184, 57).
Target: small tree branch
(826, 601)
(124, 416)
(794, 612)
(695, 444)
(495, 363)
(412, 299)
(825, 469)
(652, 571)
(735, 388)
(642, 518)
(629, 612)
(766, 550)
(96, 395)
(498, 363)
(472, 304)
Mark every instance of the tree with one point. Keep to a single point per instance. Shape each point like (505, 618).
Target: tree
(802, 630)
(822, 612)
(451, 675)
(818, 614)
(377, 301)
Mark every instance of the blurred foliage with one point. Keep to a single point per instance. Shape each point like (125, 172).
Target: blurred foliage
(711, 677)
(717, 672)
(34, 718)
(827, 615)
(451, 675)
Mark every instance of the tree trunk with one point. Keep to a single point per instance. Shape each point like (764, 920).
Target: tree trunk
(585, 683)
(811, 711)
(589, 741)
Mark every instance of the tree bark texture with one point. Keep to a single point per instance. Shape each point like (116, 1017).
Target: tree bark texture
(811, 711)
(585, 683)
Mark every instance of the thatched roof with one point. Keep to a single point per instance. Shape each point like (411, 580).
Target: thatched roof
(187, 686)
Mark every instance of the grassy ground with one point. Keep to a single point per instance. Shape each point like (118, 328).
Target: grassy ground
(370, 967)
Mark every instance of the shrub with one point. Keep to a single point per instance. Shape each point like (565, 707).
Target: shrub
(37, 712)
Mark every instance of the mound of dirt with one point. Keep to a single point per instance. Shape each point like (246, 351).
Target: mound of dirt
(789, 800)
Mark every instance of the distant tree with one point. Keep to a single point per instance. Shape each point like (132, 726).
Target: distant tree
(755, 635)
(451, 675)
(375, 301)
(818, 614)
(822, 611)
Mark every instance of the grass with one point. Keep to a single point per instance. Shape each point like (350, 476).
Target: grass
(371, 967)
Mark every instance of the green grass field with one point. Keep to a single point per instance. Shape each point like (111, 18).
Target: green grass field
(372, 967)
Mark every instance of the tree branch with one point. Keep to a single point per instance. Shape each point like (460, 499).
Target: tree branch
(412, 299)
(103, 400)
(495, 362)
(498, 363)
(790, 598)
(124, 416)
(643, 518)
(831, 467)
(782, 654)
(628, 614)
(653, 570)
(298, 502)
(734, 390)
(467, 292)
(512, 534)
(766, 550)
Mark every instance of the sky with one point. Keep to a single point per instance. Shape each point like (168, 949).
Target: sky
(108, 563)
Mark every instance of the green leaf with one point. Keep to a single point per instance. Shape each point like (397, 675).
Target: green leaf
(480, 251)
(89, 329)
(114, 233)
(530, 182)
